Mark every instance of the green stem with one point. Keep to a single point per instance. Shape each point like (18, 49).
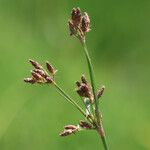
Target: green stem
(101, 132)
(91, 72)
(69, 99)
(96, 102)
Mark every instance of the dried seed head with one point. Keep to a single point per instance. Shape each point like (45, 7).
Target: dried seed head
(85, 125)
(85, 23)
(72, 127)
(50, 68)
(35, 64)
(76, 16)
(83, 79)
(79, 24)
(30, 80)
(100, 92)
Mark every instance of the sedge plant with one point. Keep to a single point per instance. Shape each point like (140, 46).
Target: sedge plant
(79, 25)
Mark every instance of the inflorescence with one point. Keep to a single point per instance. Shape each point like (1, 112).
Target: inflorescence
(39, 75)
(79, 25)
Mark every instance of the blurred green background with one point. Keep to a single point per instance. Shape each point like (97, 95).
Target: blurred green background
(31, 116)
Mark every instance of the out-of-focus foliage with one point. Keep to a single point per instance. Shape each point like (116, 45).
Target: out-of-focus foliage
(119, 43)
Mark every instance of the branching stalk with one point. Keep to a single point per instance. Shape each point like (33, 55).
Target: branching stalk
(79, 25)
(70, 100)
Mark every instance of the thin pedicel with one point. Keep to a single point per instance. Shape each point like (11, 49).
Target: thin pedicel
(79, 25)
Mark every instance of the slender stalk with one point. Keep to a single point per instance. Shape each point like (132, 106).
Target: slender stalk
(96, 102)
(69, 99)
(91, 72)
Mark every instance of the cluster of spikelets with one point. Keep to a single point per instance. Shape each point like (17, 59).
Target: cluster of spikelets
(70, 129)
(79, 25)
(40, 75)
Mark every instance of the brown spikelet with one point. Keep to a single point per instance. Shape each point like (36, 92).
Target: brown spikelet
(35, 64)
(66, 133)
(41, 72)
(50, 68)
(85, 23)
(100, 91)
(49, 80)
(78, 83)
(85, 125)
(36, 75)
(72, 127)
(83, 79)
(76, 16)
(73, 31)
(29, 80)
(84, 91)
